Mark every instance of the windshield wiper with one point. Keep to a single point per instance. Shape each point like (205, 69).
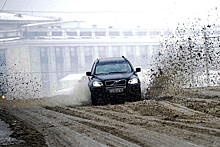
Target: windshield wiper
(104, 73)
(118, 72)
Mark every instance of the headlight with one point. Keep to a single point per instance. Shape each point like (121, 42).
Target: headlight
(97, 84)
(133, 81)
(3, 97)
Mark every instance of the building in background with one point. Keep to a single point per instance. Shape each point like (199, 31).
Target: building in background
(37, 53)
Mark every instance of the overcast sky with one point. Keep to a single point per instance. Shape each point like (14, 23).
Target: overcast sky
(151, 13)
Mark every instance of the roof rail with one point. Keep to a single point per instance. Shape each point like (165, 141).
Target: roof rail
(124, 58)
(97, 60)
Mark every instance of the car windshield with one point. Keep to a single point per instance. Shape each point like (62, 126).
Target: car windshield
(114, 67)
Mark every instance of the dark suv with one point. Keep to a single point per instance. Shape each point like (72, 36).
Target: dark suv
(113, 80)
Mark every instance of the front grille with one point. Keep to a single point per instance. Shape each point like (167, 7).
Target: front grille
(120, 82)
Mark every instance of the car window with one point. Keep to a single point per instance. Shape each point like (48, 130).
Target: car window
(123, 67)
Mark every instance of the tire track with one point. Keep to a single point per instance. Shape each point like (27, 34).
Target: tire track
(193, 130)
(65, 130)
(135, 133)
(163, 122)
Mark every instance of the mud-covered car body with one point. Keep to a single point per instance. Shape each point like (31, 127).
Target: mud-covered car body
(113, 80)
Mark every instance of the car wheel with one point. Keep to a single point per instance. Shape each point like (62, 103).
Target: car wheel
(93, 99)
(137, 96)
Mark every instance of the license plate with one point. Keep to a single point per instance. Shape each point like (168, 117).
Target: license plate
(115, 90)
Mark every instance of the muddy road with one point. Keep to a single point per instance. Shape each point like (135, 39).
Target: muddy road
(165, 121)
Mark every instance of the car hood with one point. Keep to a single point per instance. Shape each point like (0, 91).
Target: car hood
(115, 76)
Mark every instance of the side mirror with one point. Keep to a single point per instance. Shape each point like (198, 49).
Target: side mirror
(88, 73)
(138, 69)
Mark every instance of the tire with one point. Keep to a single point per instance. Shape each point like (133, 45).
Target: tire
(98, 100)
(93, 99)
(137, 95)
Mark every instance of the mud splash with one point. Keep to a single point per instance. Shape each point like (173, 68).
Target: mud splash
(77, 95)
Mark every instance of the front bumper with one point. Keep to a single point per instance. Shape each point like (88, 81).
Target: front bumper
(128, 90)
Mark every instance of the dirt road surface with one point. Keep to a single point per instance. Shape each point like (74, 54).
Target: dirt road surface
(164, 121)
